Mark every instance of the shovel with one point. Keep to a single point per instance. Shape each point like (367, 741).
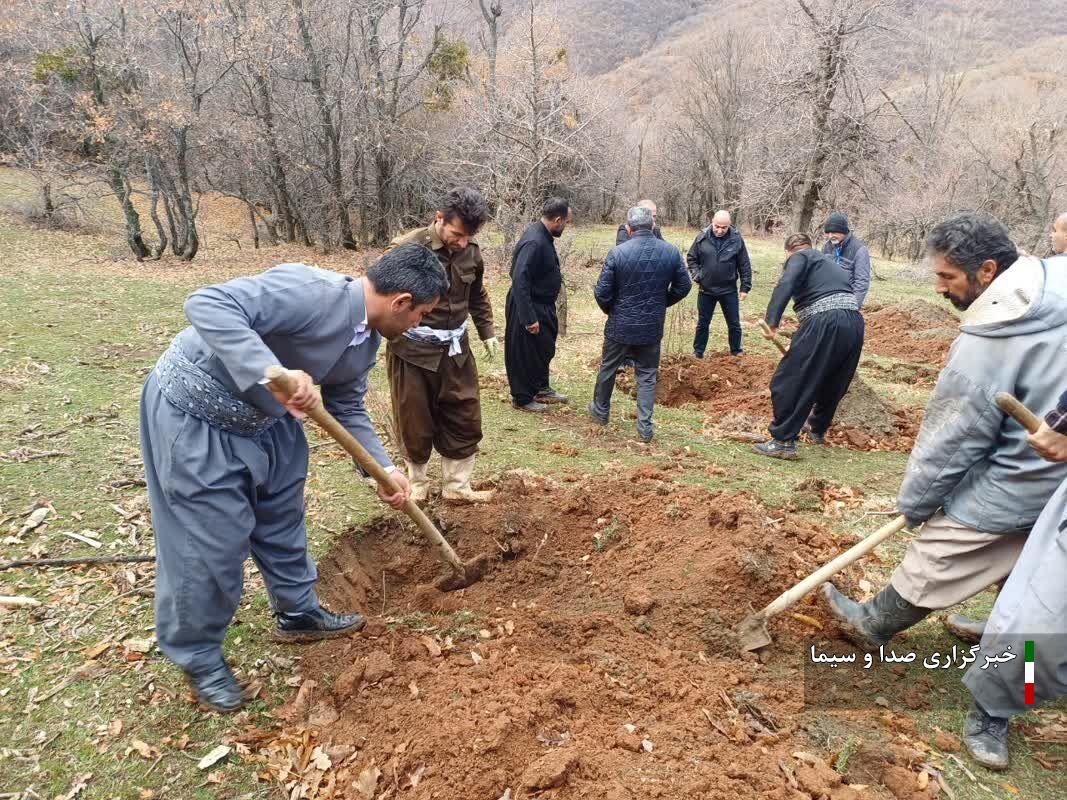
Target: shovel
(777, 342)
(752, 632)
(1011, 406)
(463, 573)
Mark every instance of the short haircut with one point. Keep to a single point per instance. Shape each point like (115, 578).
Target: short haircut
(466, 204)
(970, 238)
(797, 240)
(555, 207)
(639, 218)
(410, 268)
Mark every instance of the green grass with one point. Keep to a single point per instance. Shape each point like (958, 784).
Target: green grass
(77, 338)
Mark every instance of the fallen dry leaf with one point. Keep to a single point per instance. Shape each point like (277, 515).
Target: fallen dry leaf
(319, 759)
(367, 782)
(477, 659)
(143, 748)
(114, 728)
(431, 646)
(80, 782)
(214, 757)
(416, 776)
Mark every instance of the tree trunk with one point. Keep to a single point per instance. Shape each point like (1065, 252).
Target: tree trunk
(134, 237)
(279, 185)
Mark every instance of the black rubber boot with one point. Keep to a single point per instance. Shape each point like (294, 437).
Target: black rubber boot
(986, 738)
(964, 628)
(310, 626)
(216, 689)
(776, 449)
(817, 438)
(875, 622)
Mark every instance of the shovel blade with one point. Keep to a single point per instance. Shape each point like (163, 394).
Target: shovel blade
(473, 571)
(752, 633)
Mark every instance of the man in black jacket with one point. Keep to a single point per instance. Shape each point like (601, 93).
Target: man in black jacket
(717, 259)
(641, 277)
(531, 325)
(622, 233)
(815, 373)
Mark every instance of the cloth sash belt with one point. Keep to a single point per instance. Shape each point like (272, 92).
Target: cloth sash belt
(841, 300)
(192, 390)
(453, 338)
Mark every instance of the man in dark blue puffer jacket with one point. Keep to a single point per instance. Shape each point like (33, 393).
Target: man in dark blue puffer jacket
(641, 278)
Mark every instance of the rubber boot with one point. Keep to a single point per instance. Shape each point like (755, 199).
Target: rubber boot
(986, 738)
(875, 622)
(456, 481)
(965, 628)
(419, 480)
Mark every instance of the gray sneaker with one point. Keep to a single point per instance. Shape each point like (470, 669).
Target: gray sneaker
(533, 407)
(775, 449)
(986, 739)
(550, 395)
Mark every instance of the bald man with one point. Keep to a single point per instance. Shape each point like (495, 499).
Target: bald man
(1059, 234)
(717, 260)
(623, 232)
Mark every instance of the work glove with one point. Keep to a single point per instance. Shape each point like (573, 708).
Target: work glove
(491, 344)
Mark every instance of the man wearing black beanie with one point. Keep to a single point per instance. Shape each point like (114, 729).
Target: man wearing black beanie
(850, 254)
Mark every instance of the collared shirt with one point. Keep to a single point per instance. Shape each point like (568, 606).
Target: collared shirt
(362, 332)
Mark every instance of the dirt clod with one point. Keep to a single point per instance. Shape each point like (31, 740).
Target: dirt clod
(549, 771)
(379, 666)
(348, 681)
(638, 602)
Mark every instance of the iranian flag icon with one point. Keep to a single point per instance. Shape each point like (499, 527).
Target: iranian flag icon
(1029, 673)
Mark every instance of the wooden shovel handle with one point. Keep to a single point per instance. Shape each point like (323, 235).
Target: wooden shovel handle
(1010, 405)
(823, 573)
(777, 342)
(279, 376)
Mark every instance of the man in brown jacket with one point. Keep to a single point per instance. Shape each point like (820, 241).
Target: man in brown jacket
(433, 378)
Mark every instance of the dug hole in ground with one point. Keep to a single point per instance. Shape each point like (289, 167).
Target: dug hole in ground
(596, 659)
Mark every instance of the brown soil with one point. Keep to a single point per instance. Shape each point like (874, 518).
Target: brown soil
(915, 330)
(594, 661)
(735, 393)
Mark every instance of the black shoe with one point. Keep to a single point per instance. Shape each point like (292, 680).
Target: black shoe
(596, 417)
(738, 353)
(776, 449)
(533, 407)
(875, 622)
(645, 439)
(965, 628)
(698, 355)
(986, 738)
(310, 626)
(216, 689)
(550, 396)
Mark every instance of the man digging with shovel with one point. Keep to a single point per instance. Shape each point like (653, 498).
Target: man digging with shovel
(225, 455)
(973, 482)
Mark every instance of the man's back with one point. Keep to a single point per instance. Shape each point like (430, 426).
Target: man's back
(641, 278)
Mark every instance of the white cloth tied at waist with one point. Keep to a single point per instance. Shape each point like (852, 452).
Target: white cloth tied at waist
(436, 336)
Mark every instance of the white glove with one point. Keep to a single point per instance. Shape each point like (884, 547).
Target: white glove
(491, 344)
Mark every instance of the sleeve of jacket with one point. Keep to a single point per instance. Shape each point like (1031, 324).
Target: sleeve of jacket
(347, 403)
(481, 309)
(621, 235)
(744, 268)
(525, 259)
(657, 232)
(861, 274)
(960, 428)
(1057, 417)
(233, 317)
(786, 288)
(681, 284)
(692, 259)
(604, 291)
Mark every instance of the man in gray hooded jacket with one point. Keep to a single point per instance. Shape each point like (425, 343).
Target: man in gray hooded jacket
(972, 481)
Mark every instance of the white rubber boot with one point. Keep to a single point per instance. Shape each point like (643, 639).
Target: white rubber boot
(419, 480)
(456, 481)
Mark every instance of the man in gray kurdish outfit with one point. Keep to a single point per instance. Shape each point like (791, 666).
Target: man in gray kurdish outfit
(641, 277)
(225, 456)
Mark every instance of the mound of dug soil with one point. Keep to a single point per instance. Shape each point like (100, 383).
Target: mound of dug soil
(735, 393)
(595, 660)
(915, 330)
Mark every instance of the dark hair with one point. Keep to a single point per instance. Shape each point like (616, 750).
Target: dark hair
(970, 238)
(796, 240)
(555, 207)
(468, 205)
(410, 268)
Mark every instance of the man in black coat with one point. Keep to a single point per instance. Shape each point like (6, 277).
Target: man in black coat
(814, 375)
(717, 260)
(622, 234)
(531, 325)
(641, 277)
